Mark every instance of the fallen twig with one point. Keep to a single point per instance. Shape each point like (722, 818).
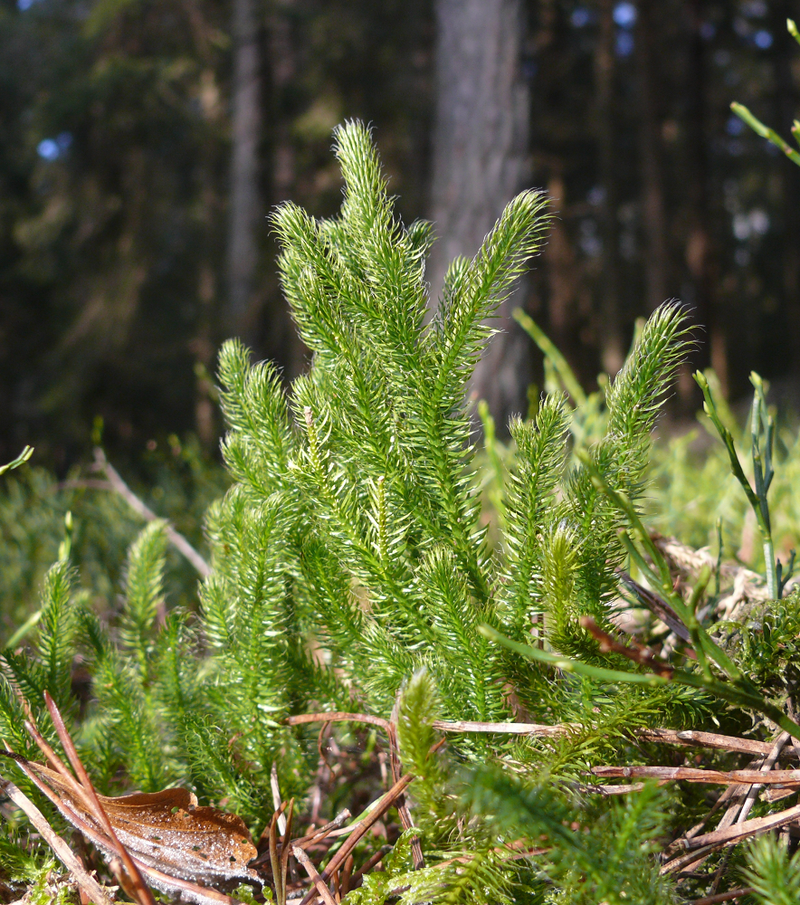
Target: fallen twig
(730, 835)
(314, 875)
(696, 739)
(177, 540)
(694, 774)
(725, 896)
(338, 717)
(360, 828)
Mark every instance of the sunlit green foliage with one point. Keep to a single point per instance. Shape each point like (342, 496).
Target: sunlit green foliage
(773, 874)
(351, 571)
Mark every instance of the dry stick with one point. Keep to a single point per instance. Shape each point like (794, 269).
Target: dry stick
(64, 853)
(687, 737)
(725, 896)
(769, 763)
(338, 717)
(324, 831)
(732, 834)
(347, 872)
(610, 791)
(361, 828)
(534, 729)
(315, 877)
(177, 540)
(694, 774)
(693, 738)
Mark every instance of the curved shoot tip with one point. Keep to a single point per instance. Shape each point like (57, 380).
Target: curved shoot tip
(21, 458)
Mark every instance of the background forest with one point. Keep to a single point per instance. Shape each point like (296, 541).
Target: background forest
(143, 142)
(361, 559)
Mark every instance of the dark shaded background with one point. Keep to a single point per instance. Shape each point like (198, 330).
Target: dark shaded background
(143, 142)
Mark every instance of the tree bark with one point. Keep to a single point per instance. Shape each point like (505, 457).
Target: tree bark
(480, 162)
(280, 340)
(699, 252)
(245, 201)
(612, 351)
(652, 193)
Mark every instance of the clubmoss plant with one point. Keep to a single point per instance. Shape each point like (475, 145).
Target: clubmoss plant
(352, 580)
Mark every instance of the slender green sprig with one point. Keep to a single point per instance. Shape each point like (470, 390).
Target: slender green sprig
(531, 492)
(23, 457)
(144, 593)
(418, 707)
(765, 131)
(495, 474)
(762, 432)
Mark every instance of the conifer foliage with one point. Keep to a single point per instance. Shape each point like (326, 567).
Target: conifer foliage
(352, 572)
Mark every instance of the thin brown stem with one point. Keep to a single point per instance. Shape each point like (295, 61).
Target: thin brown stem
(175, 538)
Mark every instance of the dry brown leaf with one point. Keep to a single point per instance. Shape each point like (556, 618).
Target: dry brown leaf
(166, 830)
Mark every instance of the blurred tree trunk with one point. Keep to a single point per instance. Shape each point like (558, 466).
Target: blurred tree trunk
(784, 55)
(612, 349)
(699, 253)
(245, 202)
(653, 217)
(480, 162)
(280, 340)
(562, 276)
(203, 344)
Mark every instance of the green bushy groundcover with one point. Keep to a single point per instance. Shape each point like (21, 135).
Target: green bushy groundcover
(353, 572)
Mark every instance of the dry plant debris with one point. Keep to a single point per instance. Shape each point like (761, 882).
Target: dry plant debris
(165, 841)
